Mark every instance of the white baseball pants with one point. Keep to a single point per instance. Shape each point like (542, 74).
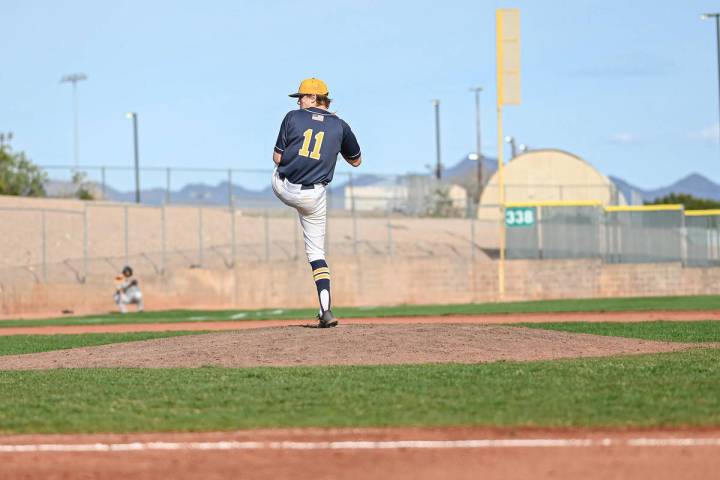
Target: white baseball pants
(311, 206)
(132, 296)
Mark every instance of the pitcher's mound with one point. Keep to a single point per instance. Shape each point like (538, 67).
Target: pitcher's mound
(343, 345)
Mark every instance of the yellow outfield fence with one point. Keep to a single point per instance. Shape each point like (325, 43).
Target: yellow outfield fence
(614, 234)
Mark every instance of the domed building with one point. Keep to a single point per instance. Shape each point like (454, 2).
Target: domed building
(548, 175)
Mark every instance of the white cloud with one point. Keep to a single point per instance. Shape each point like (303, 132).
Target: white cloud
(707, 134)
(624, 138)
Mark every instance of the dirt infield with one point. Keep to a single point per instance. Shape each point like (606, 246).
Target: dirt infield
(398, 454)
(343, 345)
(392, 453)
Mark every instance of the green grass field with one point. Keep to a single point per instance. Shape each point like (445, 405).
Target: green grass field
(652, 390)
(19, 344)
(674, 389)
(691, 332)
(544, 306)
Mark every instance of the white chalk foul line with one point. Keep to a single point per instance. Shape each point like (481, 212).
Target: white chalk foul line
(365, 445)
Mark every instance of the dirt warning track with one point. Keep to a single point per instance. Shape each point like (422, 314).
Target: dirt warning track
(396, 454)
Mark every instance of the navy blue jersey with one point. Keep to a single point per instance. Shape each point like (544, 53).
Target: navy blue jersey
(309, 142)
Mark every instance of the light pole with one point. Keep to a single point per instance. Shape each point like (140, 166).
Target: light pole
(134, 117)
(513, 146)
(478, 145)
(716, 16)
(438, 167)
(74, 78)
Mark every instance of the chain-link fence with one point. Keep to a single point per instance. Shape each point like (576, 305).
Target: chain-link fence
(84, 240)
(553, 230)
(615, 234)
(98, 238)
(703, 238)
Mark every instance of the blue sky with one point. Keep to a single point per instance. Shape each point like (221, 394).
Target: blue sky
(630, 86)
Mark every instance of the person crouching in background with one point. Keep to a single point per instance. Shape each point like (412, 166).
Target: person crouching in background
(127, 291)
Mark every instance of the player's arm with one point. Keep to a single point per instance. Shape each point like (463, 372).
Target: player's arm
(349, 148)
(355, 162)
(282, 140)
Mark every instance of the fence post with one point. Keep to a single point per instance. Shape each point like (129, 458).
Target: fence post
(267, 237)
(683, 239)
(389, 235)
(233, 248)
(102, 176)
(230, 189)
(200, 236)
(167, 185)
(352, 210)
(44, 245)
(472, 238)
(127, 253)
(163, 265)
(233, 239)
(85, 242)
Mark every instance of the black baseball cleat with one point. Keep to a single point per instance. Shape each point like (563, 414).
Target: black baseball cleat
(327, 320)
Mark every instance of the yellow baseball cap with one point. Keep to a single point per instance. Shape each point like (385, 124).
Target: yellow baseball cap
(311, 86)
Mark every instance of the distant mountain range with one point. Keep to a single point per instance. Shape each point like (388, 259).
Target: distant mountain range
(693, 184)
(204, 194)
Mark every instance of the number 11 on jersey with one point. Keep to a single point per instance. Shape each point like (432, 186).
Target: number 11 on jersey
(305, 149)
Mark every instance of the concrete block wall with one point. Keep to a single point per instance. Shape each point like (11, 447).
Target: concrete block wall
(369, 281)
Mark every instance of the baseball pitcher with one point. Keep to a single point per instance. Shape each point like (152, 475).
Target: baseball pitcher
(305, 155)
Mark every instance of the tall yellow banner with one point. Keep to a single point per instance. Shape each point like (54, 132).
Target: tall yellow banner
(508, 56)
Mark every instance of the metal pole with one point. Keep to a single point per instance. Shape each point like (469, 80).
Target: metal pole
(438, 167)
(230, 189)
(233, 240)
(472, 238)
(200, 236)
(74, 79)
(137, 159)
(478, 144)
(389, 235)
(501, 230)
(716, 16)
(104, 185)
(44, 244)
(167, 185)
(163, 265)
(85, 243)
(354, 217)
(127, 253)
(717, 35)
(76, 134)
